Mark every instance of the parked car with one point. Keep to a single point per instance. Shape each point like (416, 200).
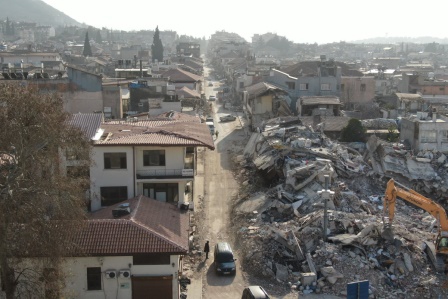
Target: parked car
(254, 292)
(212, 98)
(228, 117)
(210, 83)
(223, 259)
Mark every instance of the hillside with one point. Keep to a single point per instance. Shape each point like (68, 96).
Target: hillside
(34, 11)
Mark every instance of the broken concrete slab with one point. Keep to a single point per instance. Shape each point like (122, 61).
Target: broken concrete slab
(281, 272)
(308, 278)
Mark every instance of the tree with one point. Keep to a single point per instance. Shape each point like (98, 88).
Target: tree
(157, 47)
(87, 49)
(353, 132)
(8, 27)
(98, 38)
(41, 205)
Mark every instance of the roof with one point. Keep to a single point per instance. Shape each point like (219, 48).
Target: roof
(89, 123)
(310, 68)
(83, 70)
(179, 75)
(157, 132)
(151, 227)
(260, 88)
(329, 100)
(408, 96)
(186, 92)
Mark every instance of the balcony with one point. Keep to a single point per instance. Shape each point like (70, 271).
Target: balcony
(165, 173)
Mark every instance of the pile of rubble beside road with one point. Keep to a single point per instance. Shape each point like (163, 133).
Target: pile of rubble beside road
(280, 227)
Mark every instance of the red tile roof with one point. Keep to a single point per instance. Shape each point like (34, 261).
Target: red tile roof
(186, 92)
(160, 133)
(151, 227)
(179, 75)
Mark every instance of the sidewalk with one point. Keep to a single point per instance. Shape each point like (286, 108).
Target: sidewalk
(194, 290)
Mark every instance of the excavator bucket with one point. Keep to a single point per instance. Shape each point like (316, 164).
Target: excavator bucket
(387, 233)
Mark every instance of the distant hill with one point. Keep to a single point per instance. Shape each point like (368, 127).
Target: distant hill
(393, 40)
(35, 11)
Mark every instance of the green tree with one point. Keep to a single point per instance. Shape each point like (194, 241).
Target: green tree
(8, 27)
(40, 205)
(157, 47)
(353, 132)
(87, 49)
(392, 134)
(98, 37)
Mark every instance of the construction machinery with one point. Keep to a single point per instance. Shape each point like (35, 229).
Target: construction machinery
(437, 250)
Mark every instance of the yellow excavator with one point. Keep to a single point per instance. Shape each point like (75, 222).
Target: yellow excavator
(437, 250)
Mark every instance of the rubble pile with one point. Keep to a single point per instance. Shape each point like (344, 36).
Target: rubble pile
(281, 228)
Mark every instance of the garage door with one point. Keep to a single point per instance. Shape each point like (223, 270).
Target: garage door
(152, 287)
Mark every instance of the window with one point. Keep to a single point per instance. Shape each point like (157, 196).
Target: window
(94, 278)
(363, 87)
(71, 154)
(428, 136)
(154, 158)
(241, 84)
(113, 195)
(291, 85)
(444, 136)
(115, 160)
(325, 86)
(303, 86)
(168, 192)
(151, 259)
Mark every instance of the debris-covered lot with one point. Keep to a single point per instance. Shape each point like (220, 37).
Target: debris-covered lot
(279, 213)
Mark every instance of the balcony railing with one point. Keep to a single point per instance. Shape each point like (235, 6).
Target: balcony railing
(165, 173)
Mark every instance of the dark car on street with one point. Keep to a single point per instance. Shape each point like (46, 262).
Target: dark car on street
(227, 117)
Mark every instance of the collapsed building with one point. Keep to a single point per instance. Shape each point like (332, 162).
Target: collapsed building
(281, 226)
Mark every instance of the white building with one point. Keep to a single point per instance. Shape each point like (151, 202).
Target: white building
(153, 157)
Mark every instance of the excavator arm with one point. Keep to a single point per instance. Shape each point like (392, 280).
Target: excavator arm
(437, 251)
(394, 190)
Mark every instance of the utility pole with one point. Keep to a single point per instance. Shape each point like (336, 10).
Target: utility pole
(326, 195)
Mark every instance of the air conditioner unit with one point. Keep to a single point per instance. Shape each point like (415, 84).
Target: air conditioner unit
(111, 274)
(125, 273)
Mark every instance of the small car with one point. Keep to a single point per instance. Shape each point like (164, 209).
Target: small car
(212, 98)
(227, 117)
(210, 83)
(254, 292)
(224, 259)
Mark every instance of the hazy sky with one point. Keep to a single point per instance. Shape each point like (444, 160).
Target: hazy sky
(323, 21)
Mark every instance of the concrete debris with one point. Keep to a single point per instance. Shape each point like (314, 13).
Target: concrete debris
(284, 240)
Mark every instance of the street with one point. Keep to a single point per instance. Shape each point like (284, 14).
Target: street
(220, 188)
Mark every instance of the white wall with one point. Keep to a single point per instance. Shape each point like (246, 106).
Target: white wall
(76, 268)
(264, 106)
(101, 177)
(174, 158)
(75, 271)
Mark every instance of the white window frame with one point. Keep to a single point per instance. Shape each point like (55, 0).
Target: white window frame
(325, 86)
(303, 86)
